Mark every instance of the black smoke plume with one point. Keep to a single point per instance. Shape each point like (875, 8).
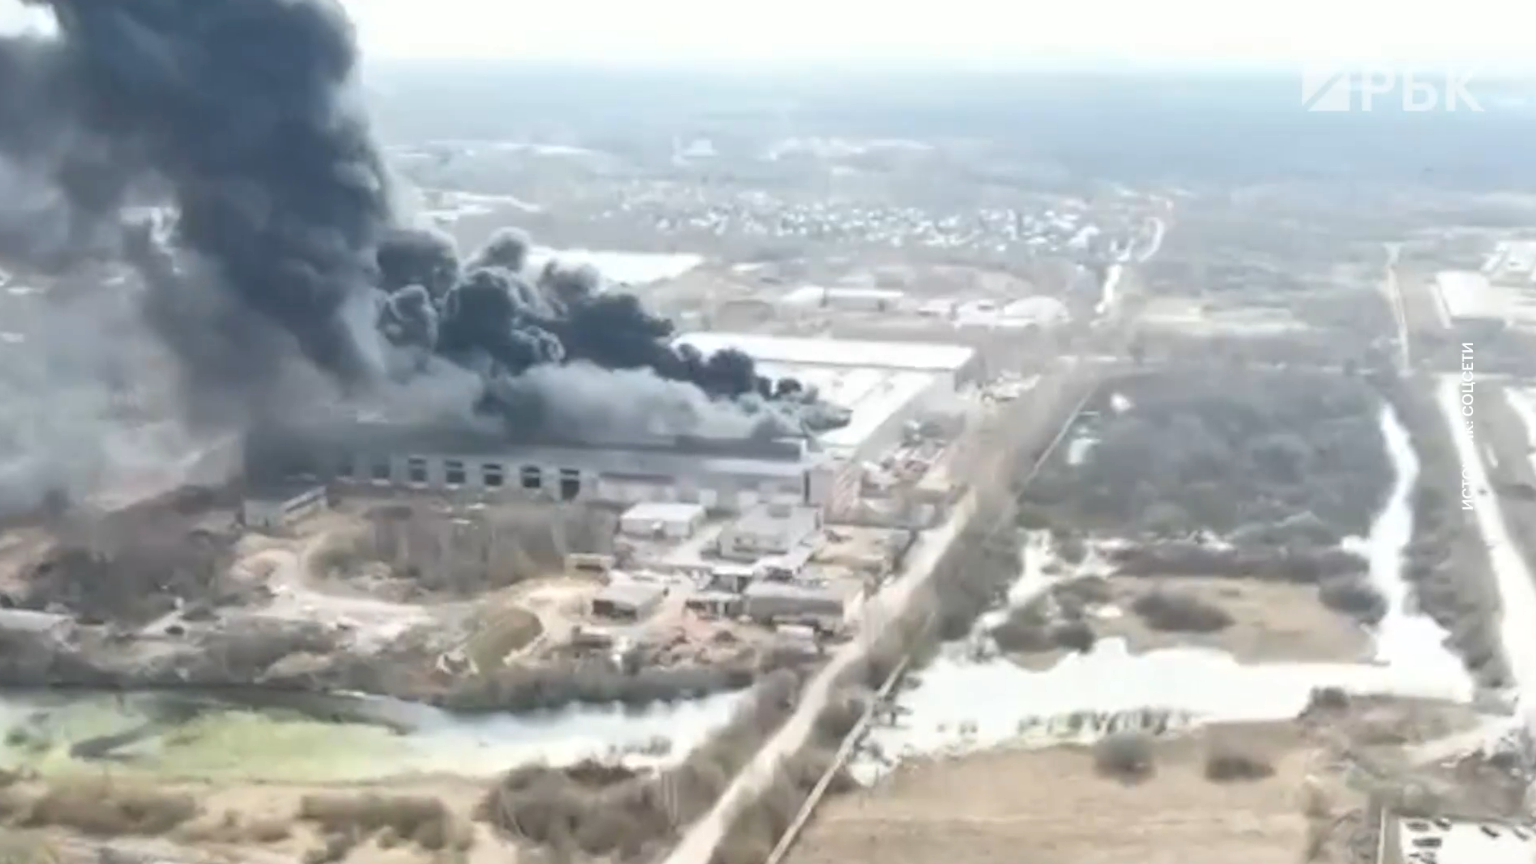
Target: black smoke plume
(240, 110)
(502, 322)
(242, 117)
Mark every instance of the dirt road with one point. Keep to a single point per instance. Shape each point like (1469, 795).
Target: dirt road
(1394, 294)
(288, 571)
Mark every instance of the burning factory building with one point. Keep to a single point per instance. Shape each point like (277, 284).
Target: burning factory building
(287, 276)
(722, 475)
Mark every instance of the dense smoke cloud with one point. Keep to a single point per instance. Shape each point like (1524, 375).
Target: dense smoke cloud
(552, 345)
(240, 110)
(280, 250)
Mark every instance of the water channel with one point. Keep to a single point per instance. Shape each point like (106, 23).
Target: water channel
(964, 702)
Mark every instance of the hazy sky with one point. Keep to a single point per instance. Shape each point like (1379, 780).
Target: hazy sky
(1492, 34)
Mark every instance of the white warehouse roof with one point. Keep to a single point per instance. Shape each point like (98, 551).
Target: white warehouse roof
(918, 356)
(872, 395)
(663, 511)
(1466, 294)
(815, 295)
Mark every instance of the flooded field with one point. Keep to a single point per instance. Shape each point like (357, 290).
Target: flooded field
(967, 700)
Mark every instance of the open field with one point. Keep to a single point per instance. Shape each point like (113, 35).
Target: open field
(1052, 806)
(1059, 805)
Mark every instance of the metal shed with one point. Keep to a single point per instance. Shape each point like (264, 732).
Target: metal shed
(833, 603)
(675, 521)
(271, 507)
(627, 601)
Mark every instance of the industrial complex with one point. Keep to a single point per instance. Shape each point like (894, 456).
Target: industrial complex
(790, 530)
(888, 389)
(1502, 291)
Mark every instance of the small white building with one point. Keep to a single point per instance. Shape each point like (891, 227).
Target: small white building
(732, 578)
(845, 299)
(272, 507)
(771, 529)
(655, 519)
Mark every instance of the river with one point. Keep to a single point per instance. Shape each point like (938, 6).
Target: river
(201, 737)
(962, 703)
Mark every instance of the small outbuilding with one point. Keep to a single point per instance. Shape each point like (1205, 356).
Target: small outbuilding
(627, 601)
(829, 606)
(732, 578)
(656, 519)
(715, 604)
(771, 529)
(267, 508)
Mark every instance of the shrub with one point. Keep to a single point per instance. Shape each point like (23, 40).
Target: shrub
(1327, 699)
(1072, 548)
(267, 831)
(1032, 517)
(1125, 755)
(1023, 635)
(422, 819)
(1354, 597)
(839, 717)
(1074, 636)
(103, 808)
(547, 687)
(1225, 761)
(1085, 590)
(333, 848)
(1174, 611)
(1416, 800)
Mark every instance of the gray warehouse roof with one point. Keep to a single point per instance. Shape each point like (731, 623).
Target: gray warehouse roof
(836, 591)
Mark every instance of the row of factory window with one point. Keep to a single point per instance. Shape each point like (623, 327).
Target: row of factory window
(493, 475)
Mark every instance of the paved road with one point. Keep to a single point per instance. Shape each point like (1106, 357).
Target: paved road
(1512, 574)
(699, 843)
(1394, 294)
